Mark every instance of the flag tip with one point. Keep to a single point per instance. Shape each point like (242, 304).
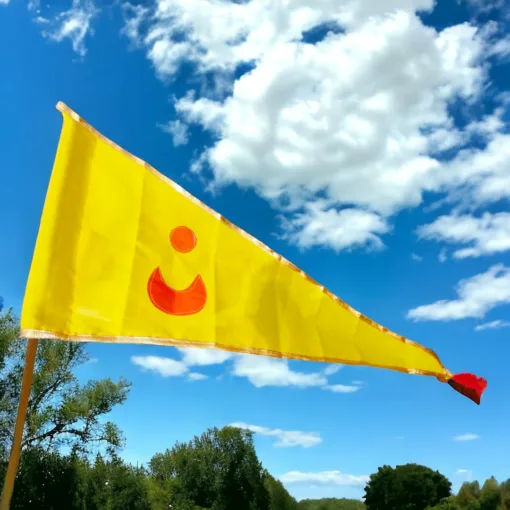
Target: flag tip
(469, 385)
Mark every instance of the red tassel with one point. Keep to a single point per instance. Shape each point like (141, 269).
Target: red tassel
(469, 385)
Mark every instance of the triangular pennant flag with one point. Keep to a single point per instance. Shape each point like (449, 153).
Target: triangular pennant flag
(126, 255)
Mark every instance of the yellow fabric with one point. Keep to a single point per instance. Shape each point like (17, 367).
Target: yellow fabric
(105, 229)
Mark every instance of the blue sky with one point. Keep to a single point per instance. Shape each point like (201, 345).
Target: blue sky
(367, 142)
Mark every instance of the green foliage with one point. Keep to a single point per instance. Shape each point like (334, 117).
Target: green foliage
(113, 485)
(61, 412)
(469, 496)
(446, 504)
(331, 504)
(51, 481)
(490, 495)
(409, 487)
(279, 498)
(218, 470)
(47, 480)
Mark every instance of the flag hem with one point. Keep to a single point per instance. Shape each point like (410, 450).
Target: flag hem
(166, 341)
(64, 109)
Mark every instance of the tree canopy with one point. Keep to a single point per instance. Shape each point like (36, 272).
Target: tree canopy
(61, 412)
(409, 487)
(218, 470)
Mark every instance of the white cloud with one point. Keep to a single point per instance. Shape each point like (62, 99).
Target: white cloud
(324, 478)
(74, 24)
(4, 2)
(442, 256)
(466, 437)
(178, 130)
(487, 235)
(134, 16)
(262, 371)
(466, 474)
(285, 438)
(416, 258)
(196, 376)
(477, 295)
(342, 388)
(338, 229)
(501, 48)
(166, 367)
(332, 369)
(493, 325)
(192, 356)
(359, 118)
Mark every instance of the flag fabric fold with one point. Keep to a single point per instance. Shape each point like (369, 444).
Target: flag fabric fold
(124, 254)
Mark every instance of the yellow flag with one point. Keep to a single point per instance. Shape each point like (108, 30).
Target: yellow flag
(126, 255)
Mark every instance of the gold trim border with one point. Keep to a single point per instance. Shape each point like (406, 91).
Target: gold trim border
(64, 109)
(142, 340)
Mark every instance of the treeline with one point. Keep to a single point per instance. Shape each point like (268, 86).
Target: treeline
(415, 487)
(218, 470)
(491, 496)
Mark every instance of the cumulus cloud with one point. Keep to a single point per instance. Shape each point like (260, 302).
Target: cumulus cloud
(338, 229)
(342, 388)
(262, 371)
(284, 438)
(73, 24)
(134, 17)
(4, 2)
(192, 356)
(324, 478)
(497, 324)
(359, 118)
(466, 437)
(476, 296)
(488, 234)
(166, 367)
(196, 376)
(332, 369)
(178, 130)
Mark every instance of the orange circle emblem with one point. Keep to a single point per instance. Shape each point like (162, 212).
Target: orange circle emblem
(188, 301)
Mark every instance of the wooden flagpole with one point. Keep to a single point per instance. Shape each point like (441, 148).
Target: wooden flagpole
(26, 384)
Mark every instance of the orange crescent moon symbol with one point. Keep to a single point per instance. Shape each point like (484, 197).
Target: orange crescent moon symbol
(169, 300)
(176, 302)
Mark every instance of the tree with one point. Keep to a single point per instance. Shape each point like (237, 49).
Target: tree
(409, 487)
(279, 497)
(60, 410)
(469, 496)
(218, 470)
(47, 480)
(113, 485)
(490, 495)
(450, 503)
(505, 493)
